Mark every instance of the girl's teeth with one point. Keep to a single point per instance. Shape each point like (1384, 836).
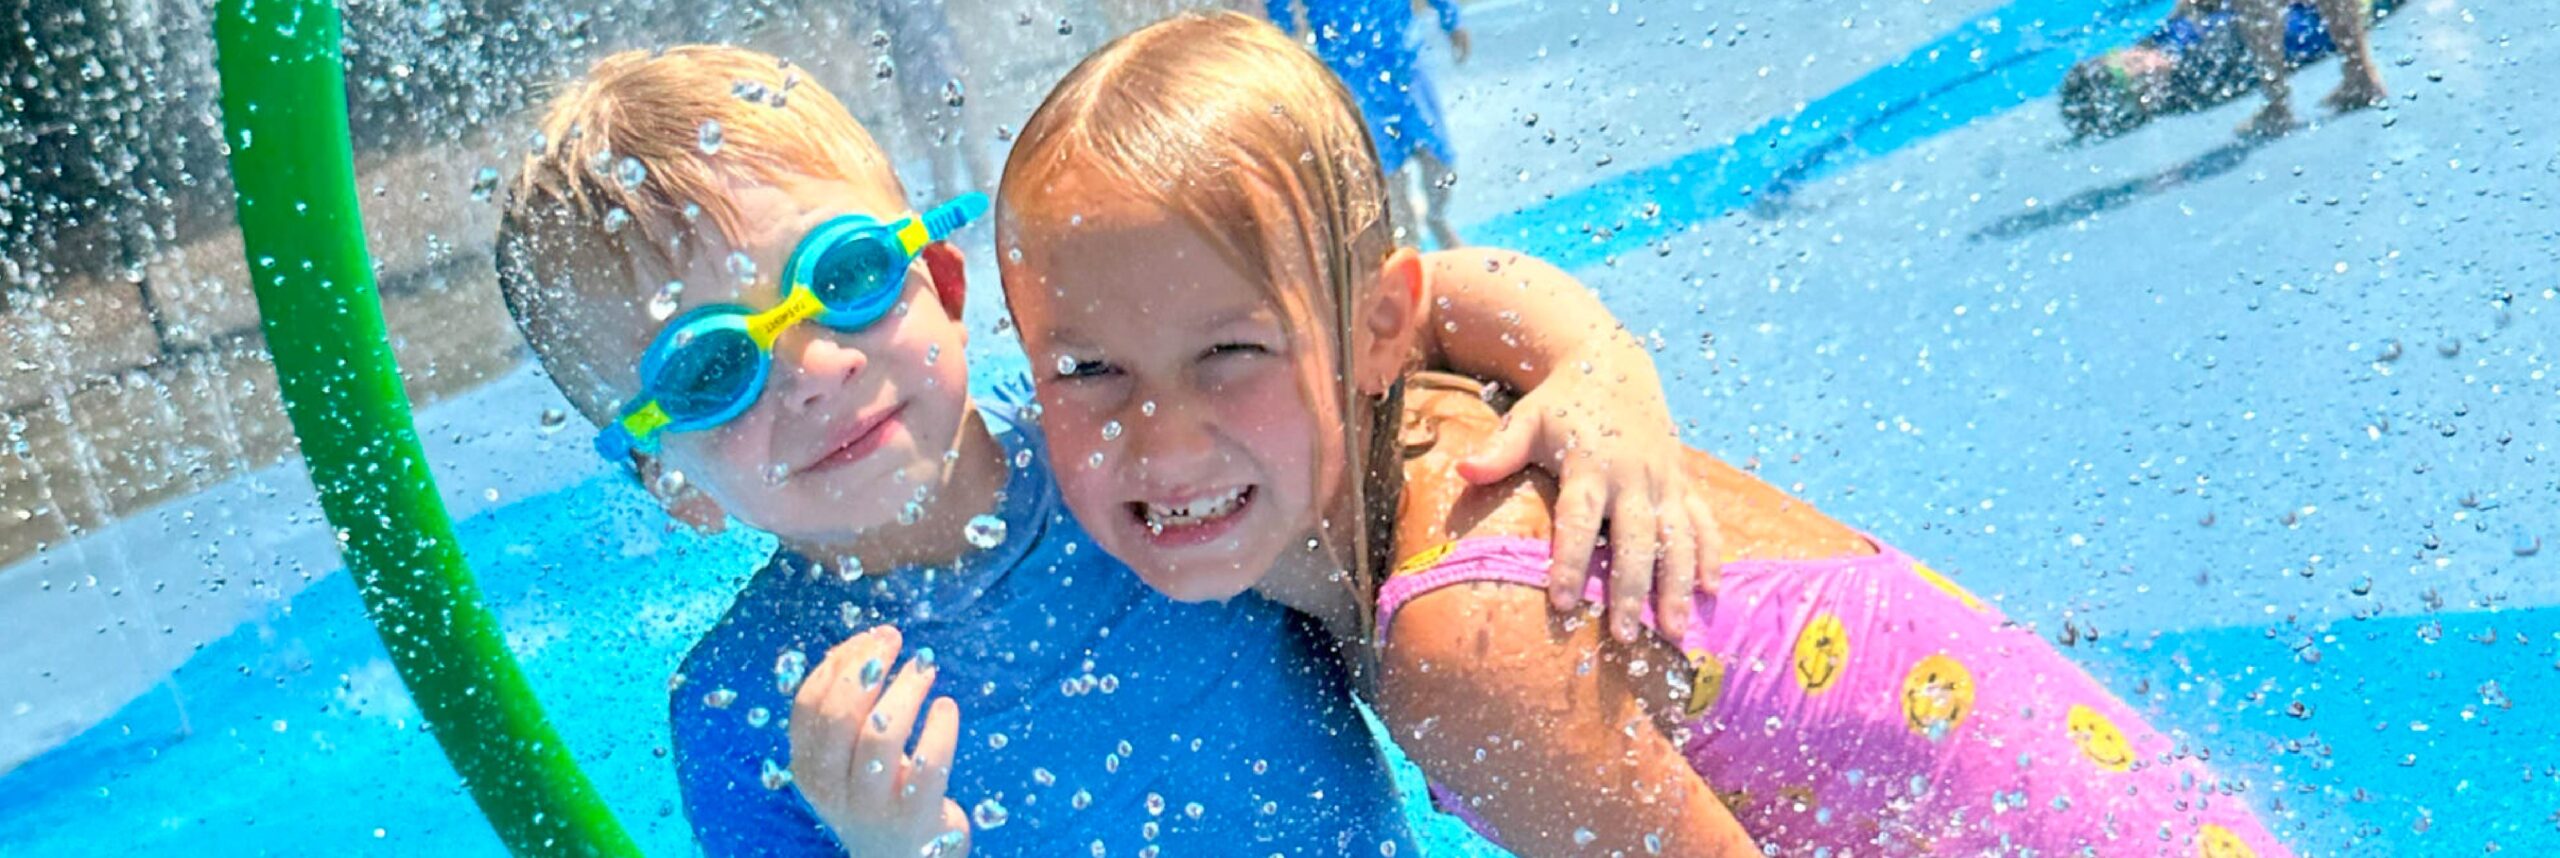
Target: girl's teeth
(1160, 516)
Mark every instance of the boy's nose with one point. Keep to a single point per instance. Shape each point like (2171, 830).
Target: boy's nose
(816, 367)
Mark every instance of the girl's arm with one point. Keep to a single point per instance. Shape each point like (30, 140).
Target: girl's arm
(1536, 719)
(1552, 729)
(1592, 412)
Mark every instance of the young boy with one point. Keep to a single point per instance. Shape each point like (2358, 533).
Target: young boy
(2193, 61)
(647, 269)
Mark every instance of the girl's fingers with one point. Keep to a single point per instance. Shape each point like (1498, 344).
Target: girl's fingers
(1710, 542)
(1672, 592)
(1632, 540)
(1577, 527)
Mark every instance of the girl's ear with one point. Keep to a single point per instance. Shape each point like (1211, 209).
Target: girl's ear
(950, 276)
(1390, 322)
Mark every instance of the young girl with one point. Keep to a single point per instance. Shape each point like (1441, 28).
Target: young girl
(1206, 282)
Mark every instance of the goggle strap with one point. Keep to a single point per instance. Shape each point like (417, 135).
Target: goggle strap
(644, 423)
(913, 235)
(949, 217)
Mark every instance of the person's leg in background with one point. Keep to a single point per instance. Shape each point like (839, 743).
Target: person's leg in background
(2359, 84)
(1438, 179)
(2261, 25)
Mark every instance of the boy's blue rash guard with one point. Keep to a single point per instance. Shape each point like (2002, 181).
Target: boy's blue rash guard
(1092, 708)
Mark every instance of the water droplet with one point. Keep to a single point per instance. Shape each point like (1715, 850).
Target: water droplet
(2450, 347)
(789, 669)
(2527, 544)
(719, 698)
(663, 304)
(849, 569)
(1111, 430)
(691, 212)
(2390, 350)
(953, 94)
(708, 136)
(553, 420)
(1080, 800)
(911, 513)
(484, 184)
(1066, 27)
(1093, 461)
(1109, 683)
(932, 354)
(742, 267)
(758, 717)
(615, 219)
(1583, 837)
(630, 173)
(670, 483)
(989, 813)
(1021, 459)
(1147, 408)
(775, 473)
(883, 69)
(985, 531)
(775, 776)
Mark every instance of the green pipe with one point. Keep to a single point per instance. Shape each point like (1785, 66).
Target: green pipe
(285, 117)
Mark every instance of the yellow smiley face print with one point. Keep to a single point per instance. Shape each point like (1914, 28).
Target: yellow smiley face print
(1706, 682)
(2218, 842)
(1936, 695)
(2099, 739)
(1822, 653)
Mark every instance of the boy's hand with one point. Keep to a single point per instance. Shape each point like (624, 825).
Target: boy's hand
(1607, 434)
(849, 726)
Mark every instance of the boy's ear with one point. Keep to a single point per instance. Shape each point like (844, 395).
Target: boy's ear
(950, 275)
(689, 505)
(1391, 322)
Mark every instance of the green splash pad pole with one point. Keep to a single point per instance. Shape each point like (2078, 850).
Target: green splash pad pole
(284, 116)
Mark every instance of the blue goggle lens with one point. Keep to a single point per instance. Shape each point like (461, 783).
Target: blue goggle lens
(714, 371)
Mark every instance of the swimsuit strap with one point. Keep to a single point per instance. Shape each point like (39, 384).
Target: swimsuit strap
(1503, 559)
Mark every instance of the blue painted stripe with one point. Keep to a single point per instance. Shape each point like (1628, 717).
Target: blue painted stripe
(1991, 63)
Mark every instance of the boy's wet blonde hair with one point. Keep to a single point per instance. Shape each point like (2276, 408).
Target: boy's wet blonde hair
(1225, 120)
(628, 139)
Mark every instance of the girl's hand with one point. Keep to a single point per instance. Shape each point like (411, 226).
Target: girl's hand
(849, 726)
(1607, 434)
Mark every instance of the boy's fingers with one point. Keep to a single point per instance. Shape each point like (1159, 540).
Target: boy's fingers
(1632, 539)
(955, 827)
(880, 755)
(934, 747)
(826, 711)
(1505, 453)
(1577, 526)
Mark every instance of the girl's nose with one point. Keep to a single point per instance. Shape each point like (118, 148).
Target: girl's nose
(1175, 445)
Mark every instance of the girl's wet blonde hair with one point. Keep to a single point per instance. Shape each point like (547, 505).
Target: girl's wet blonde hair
(1228, 122)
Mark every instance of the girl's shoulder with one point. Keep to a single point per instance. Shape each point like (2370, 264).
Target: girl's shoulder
(1446, 419)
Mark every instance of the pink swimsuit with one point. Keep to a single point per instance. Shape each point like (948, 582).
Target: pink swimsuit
(1867, 705)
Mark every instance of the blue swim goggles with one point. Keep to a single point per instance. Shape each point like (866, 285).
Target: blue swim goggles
(709, 365)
